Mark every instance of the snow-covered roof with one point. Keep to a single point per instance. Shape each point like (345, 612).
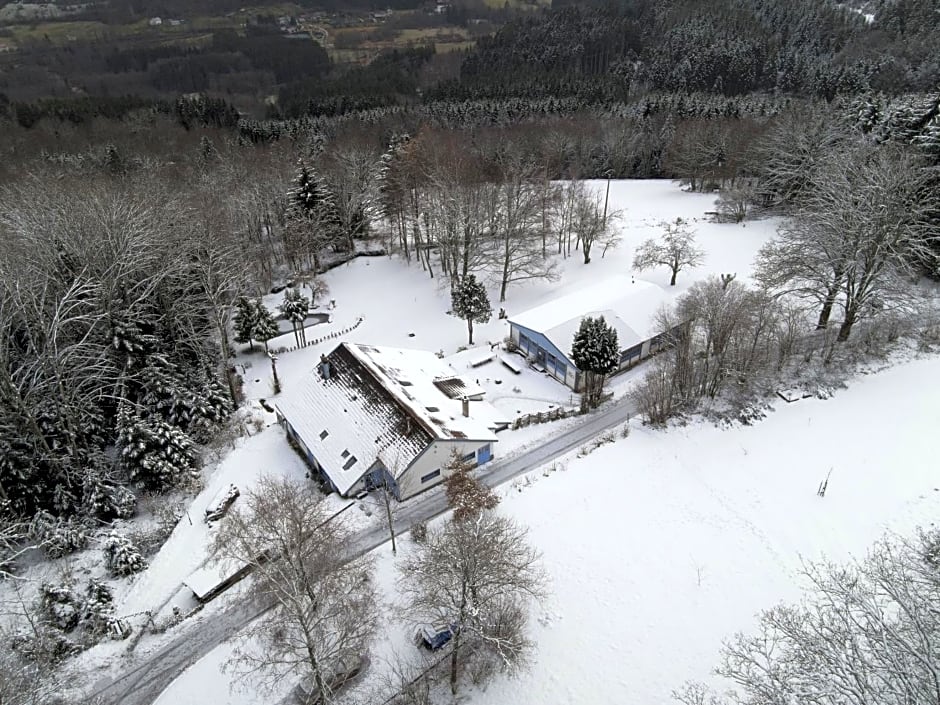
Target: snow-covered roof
(379, 402)
(629, 305)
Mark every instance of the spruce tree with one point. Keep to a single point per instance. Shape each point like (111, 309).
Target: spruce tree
(470, 302)
(265, 326)
(245, 317)
(596, 353)
(156, 454)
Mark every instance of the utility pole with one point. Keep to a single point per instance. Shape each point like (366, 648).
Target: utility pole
(608, 174)
(388, 513)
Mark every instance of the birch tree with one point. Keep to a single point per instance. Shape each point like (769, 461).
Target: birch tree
(299, 555)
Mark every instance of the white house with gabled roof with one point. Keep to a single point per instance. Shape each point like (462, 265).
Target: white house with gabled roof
(545, 333)
(373, 415)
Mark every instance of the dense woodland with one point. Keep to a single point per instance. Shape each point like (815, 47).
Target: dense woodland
(133, 217)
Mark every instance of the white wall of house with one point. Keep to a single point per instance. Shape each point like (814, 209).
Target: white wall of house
(434, 460)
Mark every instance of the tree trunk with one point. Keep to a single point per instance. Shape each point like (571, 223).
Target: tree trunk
(454, 662)
(672, 280)
(470, 331)
(845, 330)
(826, 311)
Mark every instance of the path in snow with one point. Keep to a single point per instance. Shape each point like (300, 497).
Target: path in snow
(142, 684)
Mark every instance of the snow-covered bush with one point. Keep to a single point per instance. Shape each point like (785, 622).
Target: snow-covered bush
(97, 616)
(43, 644)
(107, 500)
(58, 536)
(121, 555)
(419, 531)
(60, 606)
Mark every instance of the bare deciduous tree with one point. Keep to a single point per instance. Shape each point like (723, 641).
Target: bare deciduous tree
(860, 235)
(676, 250)
(866, 633)
(325, 602)
(477, 575)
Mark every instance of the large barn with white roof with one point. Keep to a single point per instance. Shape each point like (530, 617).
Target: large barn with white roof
(370, 415)
(545, 333)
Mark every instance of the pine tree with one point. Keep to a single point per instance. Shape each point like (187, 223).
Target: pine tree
(265, 326)
(156, 453)
(245, 318)
(596, 353)
(470, 302)
(295, 308)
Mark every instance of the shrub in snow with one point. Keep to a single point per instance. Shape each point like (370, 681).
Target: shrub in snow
(57, 536)
(106, 500)
(121, 555)
(97, 616)
(60, 606)
(419, 531)
(43, 644)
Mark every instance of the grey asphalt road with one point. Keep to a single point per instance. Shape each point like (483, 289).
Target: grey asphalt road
(142, 684)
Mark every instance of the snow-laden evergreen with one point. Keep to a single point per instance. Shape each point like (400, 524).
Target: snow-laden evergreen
(156, 454)
(121, 556)
(470, 302)
(596, 353)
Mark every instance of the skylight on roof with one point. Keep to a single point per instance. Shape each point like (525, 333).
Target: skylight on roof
(432, 409)
(349, 463)
(323, 434)
(345, 453)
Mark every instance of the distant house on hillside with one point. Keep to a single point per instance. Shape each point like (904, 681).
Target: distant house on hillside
(545, 333)
(369, 415)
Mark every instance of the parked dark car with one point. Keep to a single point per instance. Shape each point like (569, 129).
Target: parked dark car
(433, 637)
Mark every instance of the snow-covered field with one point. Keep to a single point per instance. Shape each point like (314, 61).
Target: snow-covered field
(658, 545)
(400, 305)
(662, 544)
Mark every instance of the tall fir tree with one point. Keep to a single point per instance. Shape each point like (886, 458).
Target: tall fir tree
(265, 326)
(596, 353)
(246, 314)
(470, 302)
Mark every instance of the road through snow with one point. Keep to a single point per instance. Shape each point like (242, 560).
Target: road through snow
(143, 684)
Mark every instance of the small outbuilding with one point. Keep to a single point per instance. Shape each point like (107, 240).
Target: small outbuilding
(375, 416)
(545, 333)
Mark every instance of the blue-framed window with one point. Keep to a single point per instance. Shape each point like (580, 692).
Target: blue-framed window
(430, 476)
(484, 454)
(631, 354)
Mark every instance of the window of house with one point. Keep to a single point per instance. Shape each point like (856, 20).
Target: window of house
(470, 457)
(431, 476)
(631, 354)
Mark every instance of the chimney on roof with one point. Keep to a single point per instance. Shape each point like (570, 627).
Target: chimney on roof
(324, 367)
(465, 406)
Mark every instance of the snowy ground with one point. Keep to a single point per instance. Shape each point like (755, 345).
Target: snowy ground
(400, 305)
(706, 527)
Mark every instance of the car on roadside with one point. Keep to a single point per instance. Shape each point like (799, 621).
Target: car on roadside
(435, 636)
